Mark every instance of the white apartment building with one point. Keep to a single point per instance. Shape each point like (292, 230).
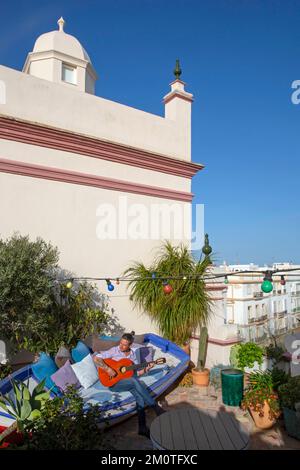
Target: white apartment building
(260, 316)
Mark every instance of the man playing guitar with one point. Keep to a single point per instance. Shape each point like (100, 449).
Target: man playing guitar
(132, 385)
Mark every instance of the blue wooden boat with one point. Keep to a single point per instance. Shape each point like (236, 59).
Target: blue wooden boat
(117, 406)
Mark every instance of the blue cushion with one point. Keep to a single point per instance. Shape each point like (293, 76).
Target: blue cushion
(79, 352)
(44, 368)
(110, 338)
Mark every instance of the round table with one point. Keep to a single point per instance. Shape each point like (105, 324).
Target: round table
(193, 429)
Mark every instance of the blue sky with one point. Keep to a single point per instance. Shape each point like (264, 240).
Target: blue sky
(239, 58)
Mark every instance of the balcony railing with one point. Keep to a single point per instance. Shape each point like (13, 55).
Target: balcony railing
(252, 320)
(280, 331)
(281, 314)
(262, 318)
(258, 295)
(296, 294)
(296, 309)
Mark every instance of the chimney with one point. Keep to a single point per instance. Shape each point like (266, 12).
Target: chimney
(178, 107)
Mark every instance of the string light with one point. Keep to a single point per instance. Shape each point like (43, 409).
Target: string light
(267, 285)
(207, 277)
(282, 281)
(110, 286)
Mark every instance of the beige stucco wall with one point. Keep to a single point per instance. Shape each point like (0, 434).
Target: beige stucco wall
(65, 214)
(37, 100)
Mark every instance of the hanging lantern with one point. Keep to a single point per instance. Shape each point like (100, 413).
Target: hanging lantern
(69, 285)
(282, 281)
(267, 285)
(226, 280)
(167, 289)
(118, 281)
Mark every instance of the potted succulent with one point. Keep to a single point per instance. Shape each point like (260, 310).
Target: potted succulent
(200, 373)
(261, 400)
(289, 395)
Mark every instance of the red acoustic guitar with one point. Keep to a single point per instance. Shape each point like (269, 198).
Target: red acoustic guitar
(124, 368)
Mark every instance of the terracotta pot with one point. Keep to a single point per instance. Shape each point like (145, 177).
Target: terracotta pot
(200, 377)
(262, 422)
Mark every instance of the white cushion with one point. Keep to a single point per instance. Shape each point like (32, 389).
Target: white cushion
(86, 371)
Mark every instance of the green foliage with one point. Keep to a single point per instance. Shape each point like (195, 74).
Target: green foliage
(25, 406)
(202, 352)
(274, 352)
(65, 425)
(289, 393)
(74, 314)
(37, 312)
(234, 355)
(247, 354)
(187, 307)
(25, 287)
(260, 390)
(5, 370)
(279, 377)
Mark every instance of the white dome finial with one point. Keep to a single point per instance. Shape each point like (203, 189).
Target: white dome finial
(61, 23)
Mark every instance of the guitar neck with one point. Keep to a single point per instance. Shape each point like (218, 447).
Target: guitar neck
(138, 366)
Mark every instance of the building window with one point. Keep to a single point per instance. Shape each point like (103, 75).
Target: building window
(68, 74)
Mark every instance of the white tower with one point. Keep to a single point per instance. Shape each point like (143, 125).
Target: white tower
(59, 57)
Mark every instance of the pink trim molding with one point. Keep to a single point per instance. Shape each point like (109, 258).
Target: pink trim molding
(43, 136)
(220, 342)
(73, 177)
(177, 94)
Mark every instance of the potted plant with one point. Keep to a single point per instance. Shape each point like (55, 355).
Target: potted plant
(249, 357)
(289, 395)
(200, 373)
(261, 400)
(178, 305)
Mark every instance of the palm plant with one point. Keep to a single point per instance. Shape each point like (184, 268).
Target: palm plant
(181, 311)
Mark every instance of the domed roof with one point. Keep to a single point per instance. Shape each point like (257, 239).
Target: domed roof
(61, 42)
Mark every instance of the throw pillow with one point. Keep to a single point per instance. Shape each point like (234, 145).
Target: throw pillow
(79, 352)
(86, 371)
(43, 369)
(65, 376)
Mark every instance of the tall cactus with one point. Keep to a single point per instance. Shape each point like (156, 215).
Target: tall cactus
(202, 348)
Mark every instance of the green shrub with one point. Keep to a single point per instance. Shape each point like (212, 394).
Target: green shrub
(25, 287)
(233, 358)
(37, 311)
(289, 393)
(247, 354)
(65, 425)
(5, 370)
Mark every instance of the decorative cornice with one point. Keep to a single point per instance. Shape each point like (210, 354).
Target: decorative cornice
(68, 176)
(220, 342)
(177, 94)
(43, 136)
